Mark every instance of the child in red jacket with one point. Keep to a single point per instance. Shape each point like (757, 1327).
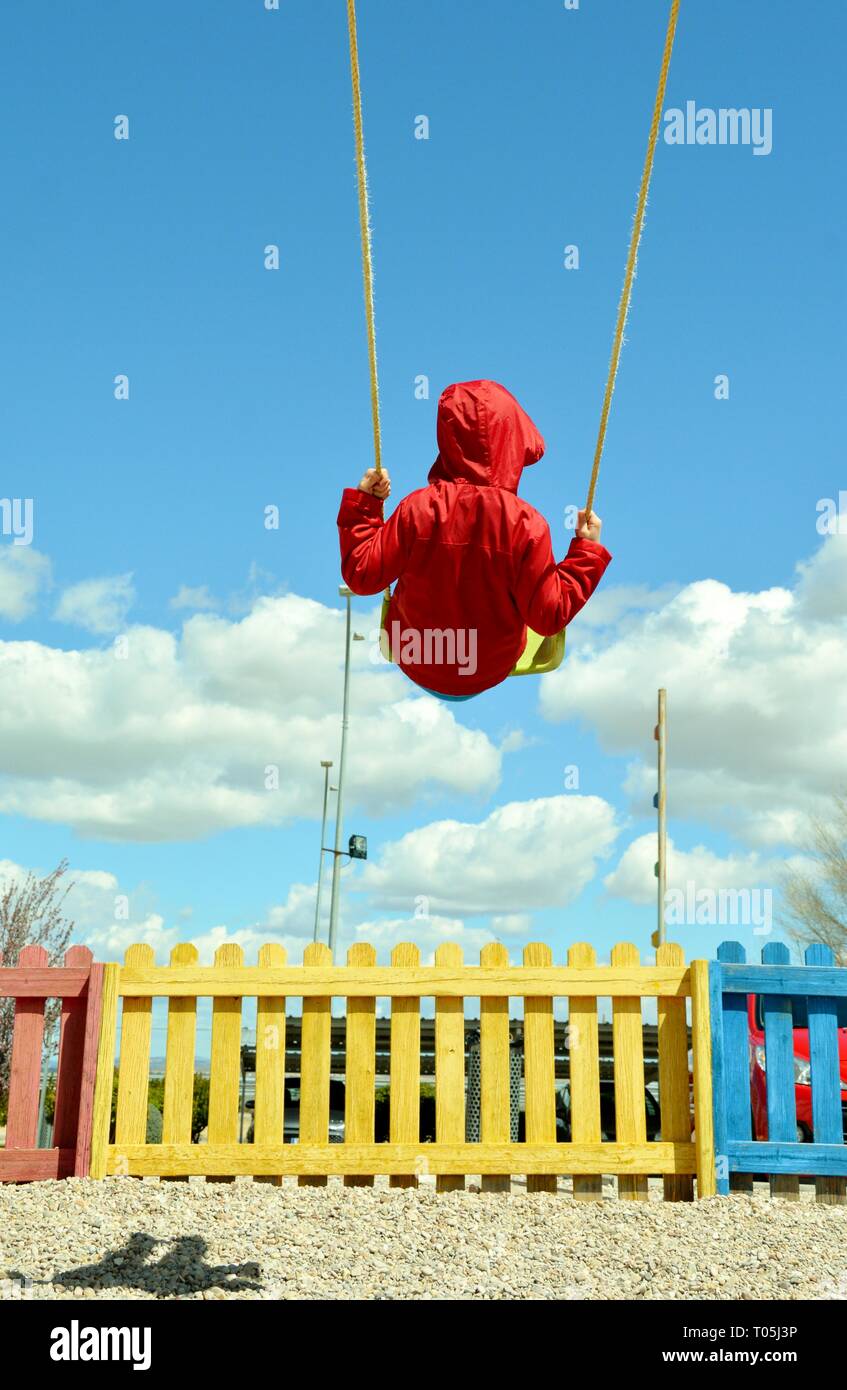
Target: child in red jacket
(473, 562)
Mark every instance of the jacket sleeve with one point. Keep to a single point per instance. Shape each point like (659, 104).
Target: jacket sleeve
(550, 595)
(372, 549)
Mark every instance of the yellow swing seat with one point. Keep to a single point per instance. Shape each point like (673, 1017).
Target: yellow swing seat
(540, 655)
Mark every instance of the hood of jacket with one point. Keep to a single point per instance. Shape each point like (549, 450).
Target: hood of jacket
(484, 437)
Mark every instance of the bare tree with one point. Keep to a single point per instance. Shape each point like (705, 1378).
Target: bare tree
(31, 914)
(814, 901)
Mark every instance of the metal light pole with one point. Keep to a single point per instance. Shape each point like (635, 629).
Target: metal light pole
(662, 806)
(342, 762)
(326, 766)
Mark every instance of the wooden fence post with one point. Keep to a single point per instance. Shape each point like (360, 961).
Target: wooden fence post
(495, 1099)
(701, 1041)
(674, 1098)
(360, 1077)
(269, 1101)
(539, 1069)
(178, 1107)
(584, 1052)
(449, 1068)
(102, 1117)
(315, 1063)
(825, 1066)
(630, 1114)
(225, 1065)
(405, 1097)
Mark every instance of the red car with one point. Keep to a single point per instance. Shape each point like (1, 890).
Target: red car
(802, 1068)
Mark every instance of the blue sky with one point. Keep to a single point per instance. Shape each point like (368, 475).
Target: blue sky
(248, 388)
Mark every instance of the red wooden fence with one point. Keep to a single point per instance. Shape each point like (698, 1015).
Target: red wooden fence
(79, 985)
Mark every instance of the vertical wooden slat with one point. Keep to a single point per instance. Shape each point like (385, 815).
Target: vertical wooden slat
(359, 1094)
(69, 1068)
(77, 1065)
(826, 1077)
(449, 1067)
(495, 1098)
(736, 1061)
(584, 1052)
(405, 1095)
(225, 1067)
(718, 1058)
(268, 1106)
(674, 1100)
(701, 1043)
(630, 1105)
(179, 1059)
(779, 1072)
(91, 1039)
(101, 1119)
(539, 1068)
(134, 1072)
(315, 1063)
(25, 1072)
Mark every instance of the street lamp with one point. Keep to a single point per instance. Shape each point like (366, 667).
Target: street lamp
(326, 766)
(339, 804)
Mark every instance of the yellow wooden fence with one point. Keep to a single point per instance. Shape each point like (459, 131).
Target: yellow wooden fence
(677, 1156)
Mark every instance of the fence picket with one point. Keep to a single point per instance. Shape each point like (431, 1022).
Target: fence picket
(77, 1063)
(825, 1074)
(69, 1068)
(359, 1099)
(736, 1044)
(539, 1069)
(701, 1043)
(584, 1049)
(315, 1063)
(25, 1068)
(449, 1067)
(269, 1098)
(102, 1116)
(225, 1064)
(180, 1058)
(134, 1072)
(779, 1062)
(674, 1100)
(405, 1098)
(628, 1044)
(495, 1071)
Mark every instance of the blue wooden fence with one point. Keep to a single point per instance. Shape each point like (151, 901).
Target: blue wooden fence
(814, 991)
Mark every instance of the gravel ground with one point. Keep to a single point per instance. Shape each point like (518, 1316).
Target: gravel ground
(122, 1238)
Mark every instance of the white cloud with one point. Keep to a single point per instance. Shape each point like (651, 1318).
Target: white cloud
(182, 737)
(98, 605)
(633, 877)
(618, 604)
(427, 933)
(197, 598)
(526, 855)
(24, 573)
(511, 924)
(757, 698)
(822, 587)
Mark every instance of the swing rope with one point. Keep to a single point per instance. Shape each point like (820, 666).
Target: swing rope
(631, 261)
(365, 230)
(632, 258)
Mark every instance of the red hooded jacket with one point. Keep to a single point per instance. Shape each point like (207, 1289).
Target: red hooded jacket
(473, 562)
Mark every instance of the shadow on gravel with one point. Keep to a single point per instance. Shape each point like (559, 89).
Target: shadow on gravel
(180, 1270)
